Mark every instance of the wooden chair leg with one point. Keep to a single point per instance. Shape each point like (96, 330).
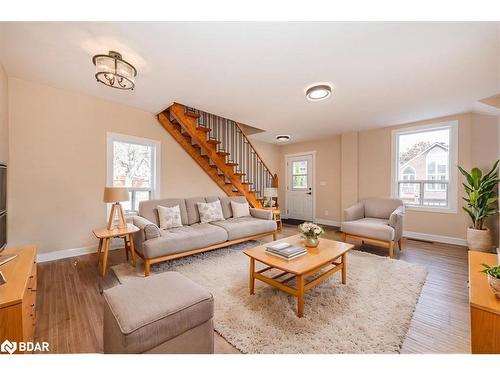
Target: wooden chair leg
(147, 267)
(400, 244)
(391, 249)
(275, 236)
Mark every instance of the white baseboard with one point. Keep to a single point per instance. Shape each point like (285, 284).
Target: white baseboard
(435, 238)
(331, 223)
(70, 253)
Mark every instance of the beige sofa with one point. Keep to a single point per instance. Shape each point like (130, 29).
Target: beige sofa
(155, 245)
(377, 220)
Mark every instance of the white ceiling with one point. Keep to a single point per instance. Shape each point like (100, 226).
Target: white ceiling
(382, 73)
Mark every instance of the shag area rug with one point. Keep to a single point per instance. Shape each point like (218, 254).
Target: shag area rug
(371, 314)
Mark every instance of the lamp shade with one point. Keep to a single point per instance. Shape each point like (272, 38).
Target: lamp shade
(115, 194)
(271, 192)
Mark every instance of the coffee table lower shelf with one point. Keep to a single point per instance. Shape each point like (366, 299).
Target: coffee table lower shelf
(301, 285)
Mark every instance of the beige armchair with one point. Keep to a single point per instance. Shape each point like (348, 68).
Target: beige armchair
(376, 220)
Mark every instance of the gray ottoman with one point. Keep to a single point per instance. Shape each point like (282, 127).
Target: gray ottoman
(165, 313)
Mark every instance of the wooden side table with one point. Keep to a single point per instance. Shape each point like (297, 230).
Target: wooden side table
(276, 216)
(105, 235)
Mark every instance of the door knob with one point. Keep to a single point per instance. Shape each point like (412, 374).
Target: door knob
(309, 193)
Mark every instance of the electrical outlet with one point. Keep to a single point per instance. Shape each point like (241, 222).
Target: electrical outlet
(326, 212)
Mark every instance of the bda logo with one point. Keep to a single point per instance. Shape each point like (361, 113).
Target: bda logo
(8, 347)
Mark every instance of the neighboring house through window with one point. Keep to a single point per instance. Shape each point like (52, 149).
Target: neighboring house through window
(134, 163)
(422, 155)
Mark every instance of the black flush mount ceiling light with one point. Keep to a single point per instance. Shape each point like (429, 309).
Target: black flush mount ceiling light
(113, 71)
(282, 138)
(318, 92)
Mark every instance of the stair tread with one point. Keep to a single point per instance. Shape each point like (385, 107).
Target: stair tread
(204, 128)
(214, 142)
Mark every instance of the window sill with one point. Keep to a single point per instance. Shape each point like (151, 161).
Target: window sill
(444, 210)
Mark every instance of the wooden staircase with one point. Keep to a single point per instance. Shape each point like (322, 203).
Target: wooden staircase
(221, 149)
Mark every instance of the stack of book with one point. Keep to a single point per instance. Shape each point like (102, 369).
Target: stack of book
(286, 251)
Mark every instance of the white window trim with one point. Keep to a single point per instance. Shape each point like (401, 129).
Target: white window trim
(110, 137)
(453, 152)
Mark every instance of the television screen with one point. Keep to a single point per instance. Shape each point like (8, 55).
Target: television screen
(3, 187)
(3, 230)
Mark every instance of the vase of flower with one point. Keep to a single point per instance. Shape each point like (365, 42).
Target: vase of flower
(311, 233)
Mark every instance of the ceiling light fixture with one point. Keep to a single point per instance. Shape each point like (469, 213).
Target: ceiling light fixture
(282, 138)
(318, 92)
(114, 72)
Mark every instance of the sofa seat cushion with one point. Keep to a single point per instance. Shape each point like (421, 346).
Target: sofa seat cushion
(144, 313)
(245, 226)
(378, 229)
(185, 238)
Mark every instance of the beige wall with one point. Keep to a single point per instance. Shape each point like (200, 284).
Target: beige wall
(358, 165)
(478, 145)
(328, 171)
(4, 116)
(349, 176)
(58, 164)
(269, 152)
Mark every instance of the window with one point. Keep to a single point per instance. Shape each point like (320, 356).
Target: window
(425, 155)
(299, 174)
(133, 162)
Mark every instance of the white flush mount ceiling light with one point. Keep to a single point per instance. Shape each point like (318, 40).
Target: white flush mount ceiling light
(318, 92)
(113, 71)
(282, 138)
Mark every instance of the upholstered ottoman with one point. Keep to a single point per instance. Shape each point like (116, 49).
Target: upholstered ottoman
(165, 313)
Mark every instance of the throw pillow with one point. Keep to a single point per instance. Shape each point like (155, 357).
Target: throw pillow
(170, 217)
(210, 211)
(240, 209)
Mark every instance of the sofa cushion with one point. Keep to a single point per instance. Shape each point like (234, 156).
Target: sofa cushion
(225, 202)
(144, 313)
(188, 237)
(245, 226)
(240, 209)
(378, 229)
(148, 209)
(381, 208)
(169, 217)
(209, 212)
(192, 209)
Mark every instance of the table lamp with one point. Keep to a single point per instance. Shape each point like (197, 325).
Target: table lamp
(116, 195)
(269, 195)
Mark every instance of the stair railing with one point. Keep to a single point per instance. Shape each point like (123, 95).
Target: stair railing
(240, 150)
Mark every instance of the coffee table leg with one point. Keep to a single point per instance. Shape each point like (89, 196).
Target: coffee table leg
(252, 278)
(344, 268)
(300, 296)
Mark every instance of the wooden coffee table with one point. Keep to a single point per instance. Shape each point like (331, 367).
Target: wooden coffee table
(329, 255)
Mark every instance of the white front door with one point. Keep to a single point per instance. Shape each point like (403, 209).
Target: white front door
(299, 203)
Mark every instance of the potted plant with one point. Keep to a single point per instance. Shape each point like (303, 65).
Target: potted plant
(482, 201)
(493, 278)
(311, 233)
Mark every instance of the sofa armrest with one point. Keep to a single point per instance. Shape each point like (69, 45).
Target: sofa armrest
(396, 221)
(149, 229)
(355, 212)
(261, 214)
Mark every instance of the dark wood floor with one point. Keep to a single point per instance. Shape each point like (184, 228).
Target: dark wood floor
(70, 306)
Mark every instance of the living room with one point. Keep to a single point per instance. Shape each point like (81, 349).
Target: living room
(216, 187)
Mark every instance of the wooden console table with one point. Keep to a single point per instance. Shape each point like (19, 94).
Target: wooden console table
(18, 296)
(484, 306)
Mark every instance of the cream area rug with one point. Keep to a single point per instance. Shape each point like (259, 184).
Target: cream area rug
(371, 314)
